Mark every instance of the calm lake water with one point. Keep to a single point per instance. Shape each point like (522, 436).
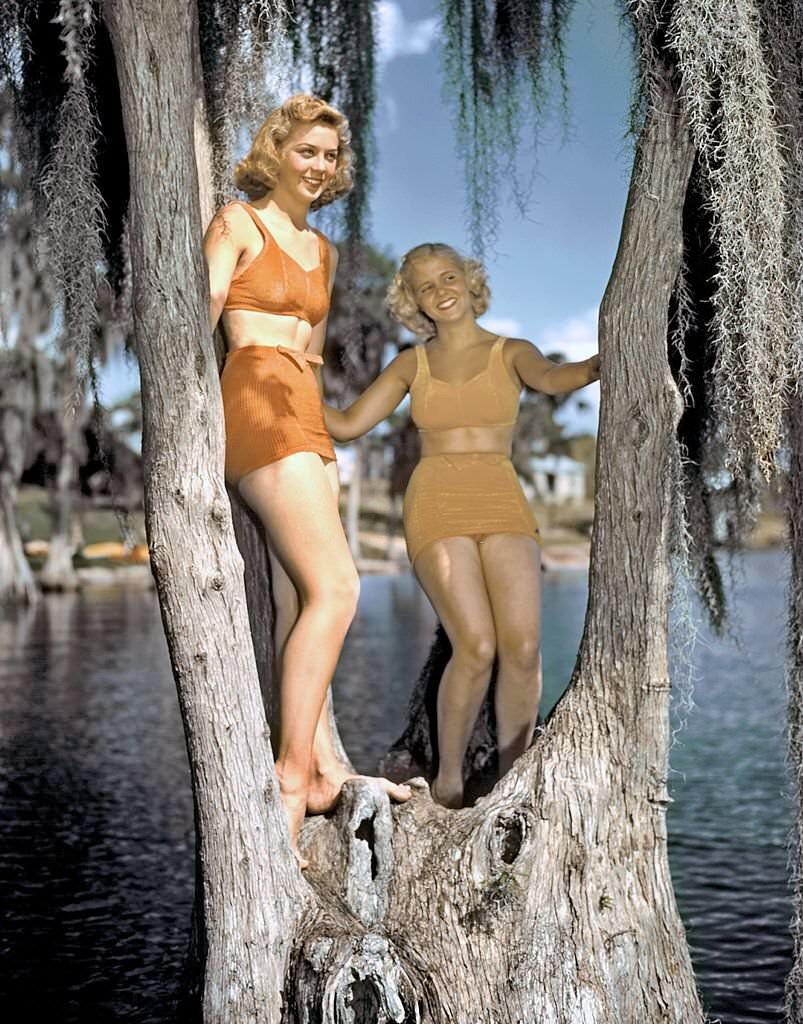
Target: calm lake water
(96, 844)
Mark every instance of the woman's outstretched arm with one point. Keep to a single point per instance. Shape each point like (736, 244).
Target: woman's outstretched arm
(376, 403)
(542, 374)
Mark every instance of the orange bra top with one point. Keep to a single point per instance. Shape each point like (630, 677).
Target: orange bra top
(488, 399)
(275, 283)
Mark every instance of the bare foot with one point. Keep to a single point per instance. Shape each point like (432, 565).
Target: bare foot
(294, 800)
(446, 795)
(325, 789)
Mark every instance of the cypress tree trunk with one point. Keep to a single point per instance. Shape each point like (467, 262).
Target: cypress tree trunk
(252, 892)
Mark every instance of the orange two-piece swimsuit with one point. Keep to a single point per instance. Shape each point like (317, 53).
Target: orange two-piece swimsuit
(465, 493)
(271, 399)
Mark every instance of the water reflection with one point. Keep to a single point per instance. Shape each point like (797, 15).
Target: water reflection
(96, 866)
(96, 858)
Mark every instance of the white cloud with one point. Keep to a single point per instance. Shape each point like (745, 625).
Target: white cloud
(576, 339)
(401, 38)
(507, 327)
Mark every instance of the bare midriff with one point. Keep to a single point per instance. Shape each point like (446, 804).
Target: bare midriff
(466, 440)
(244, 327)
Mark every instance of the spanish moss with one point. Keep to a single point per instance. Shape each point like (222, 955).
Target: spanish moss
(727, 90)
(237, 41)
(57, 64)
(500, 59)
(336, 44)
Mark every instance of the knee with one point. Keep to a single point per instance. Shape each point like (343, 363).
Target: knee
(475, 651)
(340, 593)
(521, 651)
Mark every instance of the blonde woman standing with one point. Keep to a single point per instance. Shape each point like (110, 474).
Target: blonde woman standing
(270, 282)
(471, 535)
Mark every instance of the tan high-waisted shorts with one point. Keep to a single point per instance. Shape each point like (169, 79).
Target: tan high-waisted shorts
(272, 406)
(464, 495)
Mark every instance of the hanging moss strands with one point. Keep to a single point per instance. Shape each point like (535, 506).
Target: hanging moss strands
(237, 41)
(336, 43)
(499, 58)
(57, 64)
(69, 185)
(728, 98)
(324, 47)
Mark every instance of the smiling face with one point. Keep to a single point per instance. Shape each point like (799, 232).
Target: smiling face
(308, 161)
(440, 288)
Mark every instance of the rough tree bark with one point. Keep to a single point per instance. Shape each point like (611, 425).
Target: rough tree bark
(251, 893)
(549, 900)
(17, 403)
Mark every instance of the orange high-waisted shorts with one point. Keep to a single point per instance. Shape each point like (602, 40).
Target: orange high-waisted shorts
(272, 407)
(463, 495)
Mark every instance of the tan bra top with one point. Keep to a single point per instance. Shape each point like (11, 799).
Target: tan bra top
(275, 283)
(488, 399)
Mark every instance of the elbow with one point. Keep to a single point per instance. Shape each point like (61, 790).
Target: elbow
(215, 311)
(217, 300)
(343, 435)
(335, 426)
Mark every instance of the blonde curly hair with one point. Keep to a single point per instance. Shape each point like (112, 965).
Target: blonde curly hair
(256, 173)
(401, 299)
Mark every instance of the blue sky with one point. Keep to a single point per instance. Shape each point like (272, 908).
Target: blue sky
(549, 269)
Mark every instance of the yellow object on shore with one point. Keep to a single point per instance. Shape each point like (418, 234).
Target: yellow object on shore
(139, 554)
(106, 549)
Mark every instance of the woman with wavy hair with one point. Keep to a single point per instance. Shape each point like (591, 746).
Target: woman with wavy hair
(270, 282)
(471, 536)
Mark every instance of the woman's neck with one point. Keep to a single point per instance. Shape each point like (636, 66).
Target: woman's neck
(462, 333)
(286, 208)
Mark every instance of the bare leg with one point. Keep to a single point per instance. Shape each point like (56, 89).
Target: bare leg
(285, 599)
(450, 571)
(313, 551)
(327, 772)
(512, 567)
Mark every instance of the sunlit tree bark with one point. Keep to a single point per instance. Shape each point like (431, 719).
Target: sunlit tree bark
(251, 888)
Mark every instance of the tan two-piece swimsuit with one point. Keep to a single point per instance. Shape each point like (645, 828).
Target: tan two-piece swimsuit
(464, 493)
(271, 399)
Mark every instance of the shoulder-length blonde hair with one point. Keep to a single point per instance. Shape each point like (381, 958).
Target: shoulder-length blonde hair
(401, 300)
(255, 174)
